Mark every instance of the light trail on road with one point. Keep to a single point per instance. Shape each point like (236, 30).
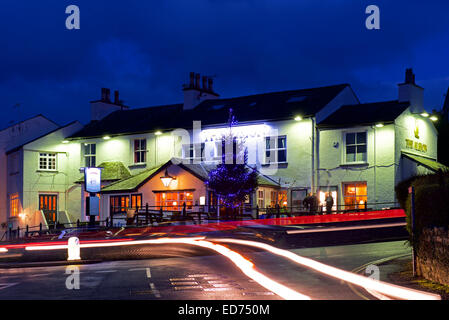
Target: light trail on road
(367, 283)
(246, 266)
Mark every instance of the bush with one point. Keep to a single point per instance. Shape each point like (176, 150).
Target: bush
(431, 202)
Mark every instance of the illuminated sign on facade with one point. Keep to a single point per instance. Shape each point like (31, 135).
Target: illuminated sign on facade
(92, 179)
(418, 146)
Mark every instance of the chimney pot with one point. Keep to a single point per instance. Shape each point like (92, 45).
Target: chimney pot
(105, 94)
(197, 80)
(409, 76)
(210, 82)
(116, 97)
(204, 83)
(192, 80)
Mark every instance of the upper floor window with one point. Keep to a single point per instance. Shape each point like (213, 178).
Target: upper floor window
(47, 161)
(191, 151)
(355, 147)
(90, 155)
(276, 149)
(140, 150)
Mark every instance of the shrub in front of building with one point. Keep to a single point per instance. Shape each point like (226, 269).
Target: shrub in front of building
(431, 202)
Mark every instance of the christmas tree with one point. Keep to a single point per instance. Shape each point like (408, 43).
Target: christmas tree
(232, 180)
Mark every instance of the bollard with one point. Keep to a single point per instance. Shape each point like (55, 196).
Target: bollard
(146, 214)
(27, 230)
(107, 222)
(73, 249)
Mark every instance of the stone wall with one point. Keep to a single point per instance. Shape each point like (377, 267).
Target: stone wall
(432, 255)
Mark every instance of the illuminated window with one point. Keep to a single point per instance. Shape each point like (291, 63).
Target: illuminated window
(140, 150)
(355, 195)
(174, 201)
(14, 205)
(119, 204)
(47, 161)
(355, 147)
(89, 155)
(136, 201)
(260, 198)
(276, 149)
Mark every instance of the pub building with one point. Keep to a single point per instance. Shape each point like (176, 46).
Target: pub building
(317, 140)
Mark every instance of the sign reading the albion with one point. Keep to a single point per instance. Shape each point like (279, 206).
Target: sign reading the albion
(92, 179)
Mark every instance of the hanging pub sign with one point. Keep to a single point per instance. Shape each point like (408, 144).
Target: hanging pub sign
(92, 179)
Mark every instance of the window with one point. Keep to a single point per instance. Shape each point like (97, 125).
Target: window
(89, 155)
(276, 149)
(355, 147)
(119, 204)
(140, 150)
(355, 195)
(260, 198)
(191, 151)
(47, 161)
(136, 201)
(14, 205)
(170, 201)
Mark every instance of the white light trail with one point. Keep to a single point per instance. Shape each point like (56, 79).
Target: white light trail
(246, 266)
(367, 283)
(3, 250)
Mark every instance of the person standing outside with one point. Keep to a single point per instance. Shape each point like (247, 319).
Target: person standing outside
(329, 203)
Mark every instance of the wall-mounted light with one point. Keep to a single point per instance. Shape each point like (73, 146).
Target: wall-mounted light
(106, 138)
(65, 141)
(379, 125)
(22, 215)
(433, 118)
(425, 114)
(298, 118)
(167, 179)
(158, 133)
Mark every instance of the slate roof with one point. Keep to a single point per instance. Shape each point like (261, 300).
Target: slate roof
(365, 114)
(268, 106)
(201, 171)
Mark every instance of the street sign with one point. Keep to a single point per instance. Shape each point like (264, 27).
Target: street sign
(92, 179)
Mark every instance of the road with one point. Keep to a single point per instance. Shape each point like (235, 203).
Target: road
(198, 277)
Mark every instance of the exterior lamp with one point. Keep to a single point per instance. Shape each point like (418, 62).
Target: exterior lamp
(106, 137)
(425, 114)
(65, 141)
(167, 179)
(433, 118)
(158, 133)
(379, 125)
(298, 118)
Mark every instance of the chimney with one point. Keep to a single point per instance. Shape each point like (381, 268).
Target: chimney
(210, 82)
(194, 93)
(409, 91)
(105, 94)
(116, 97)
(103, 107)
(205, 83)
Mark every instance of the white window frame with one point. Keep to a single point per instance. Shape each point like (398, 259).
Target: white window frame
(344, 153)
(275, 149)
(89, 156)
(142, 151)
(48, 157)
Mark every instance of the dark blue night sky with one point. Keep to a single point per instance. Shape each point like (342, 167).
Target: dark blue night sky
(146, 49)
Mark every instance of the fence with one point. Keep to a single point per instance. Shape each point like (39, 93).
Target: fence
(148, 215)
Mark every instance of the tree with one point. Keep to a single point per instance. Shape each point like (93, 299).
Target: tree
(232, 180)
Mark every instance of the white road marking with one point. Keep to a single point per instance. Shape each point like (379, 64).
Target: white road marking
(7, 285)
(148, 273)
(399, 224)
(155, 291)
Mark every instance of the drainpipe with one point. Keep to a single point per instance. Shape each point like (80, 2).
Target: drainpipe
(317, 158)
(313, 156)
(375, 167)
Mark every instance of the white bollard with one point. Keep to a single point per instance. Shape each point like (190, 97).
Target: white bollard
(73, 249)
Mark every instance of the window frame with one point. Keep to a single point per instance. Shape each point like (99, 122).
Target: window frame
(276, 149)
(48, 156)
(344, 149)
(14, 209)
(356, 206)
(142, 152)
(89, 156)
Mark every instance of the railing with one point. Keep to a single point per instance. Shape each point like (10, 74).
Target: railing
(149, 215)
